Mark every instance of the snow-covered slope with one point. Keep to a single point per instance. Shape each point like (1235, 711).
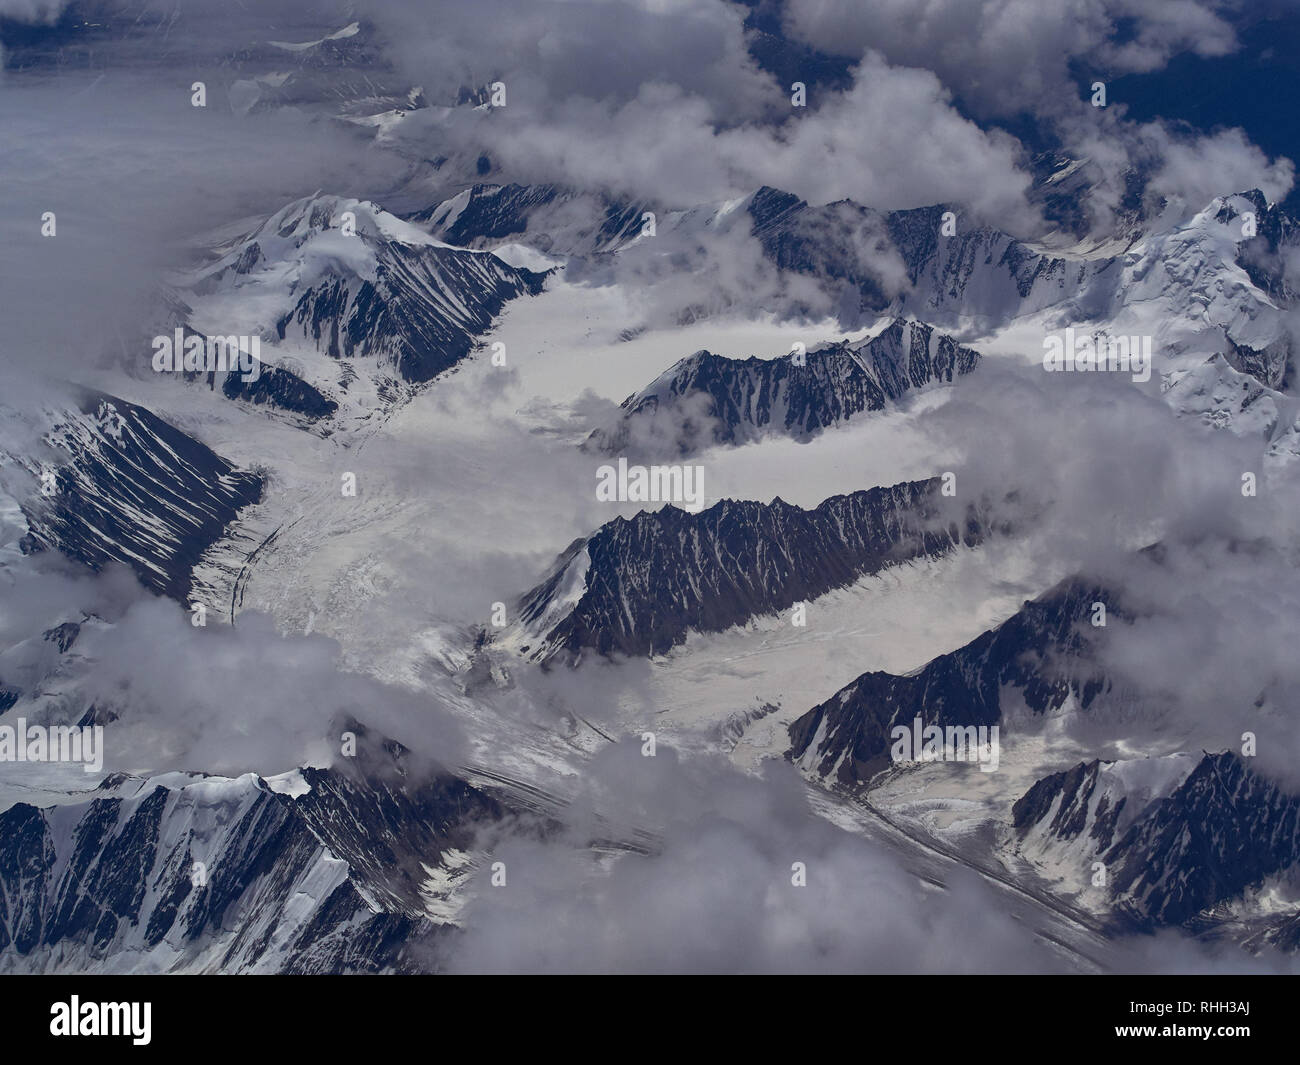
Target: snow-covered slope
(1195, 280)
(348, 280)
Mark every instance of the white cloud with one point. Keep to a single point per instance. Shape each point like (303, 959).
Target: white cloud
(1007, 56)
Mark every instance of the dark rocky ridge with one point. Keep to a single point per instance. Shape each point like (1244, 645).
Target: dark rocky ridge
(1223, 829)
(1028, 654)
(656, 577)
(742, 399)
(104, 879)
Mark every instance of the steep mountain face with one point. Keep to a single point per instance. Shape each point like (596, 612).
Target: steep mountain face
(1216, 289)
(277, 387)
(1207, 301)
(1066, 820)
(709, 399)
(1177, 835)
(40, 676)
(392, 829)
(344, 71)
(128, 487)
(638, 587)
(1264, 256)
(903, 260)
(1063, 185)
(385, 292)
(1024, 661)
(547, 217)
(1190, 269)
(1285, 934)
(314, 871)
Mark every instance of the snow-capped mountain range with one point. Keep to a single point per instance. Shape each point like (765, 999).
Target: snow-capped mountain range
(463, 361)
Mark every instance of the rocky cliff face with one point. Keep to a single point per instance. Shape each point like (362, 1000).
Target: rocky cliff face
(132, 489)
(1027, 660)
(1176, 835)
(708, 399)
(639, 586)
(313, 871)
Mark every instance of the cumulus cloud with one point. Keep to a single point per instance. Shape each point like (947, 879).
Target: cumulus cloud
(1099, 466)
(892, 141)
(708, 886)
(1098, 470)
(233, 700)
(132, 174)
(716, 891)
(212, 698)
(558, 51)
(1207, 647)
(1196, 169)
(1004, 57)
(1172, 166)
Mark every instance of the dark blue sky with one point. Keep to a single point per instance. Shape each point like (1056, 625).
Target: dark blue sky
(1256, 88)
